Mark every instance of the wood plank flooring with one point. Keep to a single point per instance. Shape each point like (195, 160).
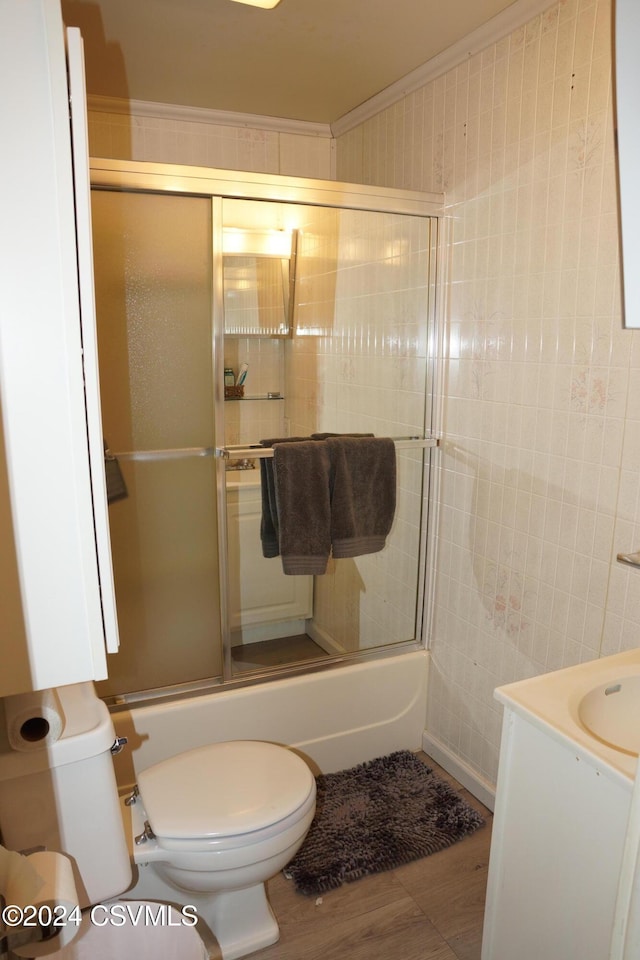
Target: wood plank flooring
(431, 909)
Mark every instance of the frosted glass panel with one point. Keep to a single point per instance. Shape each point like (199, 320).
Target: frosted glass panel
(153, 290)
(164, 539)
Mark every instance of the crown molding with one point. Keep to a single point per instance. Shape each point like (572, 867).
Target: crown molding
(498, 27)
(224, 118)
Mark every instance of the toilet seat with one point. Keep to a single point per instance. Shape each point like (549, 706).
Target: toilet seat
(226, 795)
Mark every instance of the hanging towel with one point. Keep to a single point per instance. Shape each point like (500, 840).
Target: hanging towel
(269, 536)
(269, 526)
(363, 495)
(302, 484)
(116, 487)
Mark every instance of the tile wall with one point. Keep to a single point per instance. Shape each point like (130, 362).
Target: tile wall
(249, 420)
(541, 417)
(541, 414)
(156, 139)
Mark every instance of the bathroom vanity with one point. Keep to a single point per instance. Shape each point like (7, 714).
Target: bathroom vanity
(562, 811)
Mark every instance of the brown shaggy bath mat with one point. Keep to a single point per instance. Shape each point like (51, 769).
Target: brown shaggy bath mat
(375, 817)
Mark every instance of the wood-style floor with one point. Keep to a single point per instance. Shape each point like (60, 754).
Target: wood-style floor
(431, 909)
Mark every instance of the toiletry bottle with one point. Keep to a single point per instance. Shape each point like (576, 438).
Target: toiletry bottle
(242, 374)
(229, 377)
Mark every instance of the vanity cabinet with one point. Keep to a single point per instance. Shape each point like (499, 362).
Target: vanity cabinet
(260, 595)
(558, 838)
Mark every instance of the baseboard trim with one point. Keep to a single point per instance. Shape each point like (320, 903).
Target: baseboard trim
(484, 791)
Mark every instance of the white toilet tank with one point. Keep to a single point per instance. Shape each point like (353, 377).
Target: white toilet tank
(63, 796)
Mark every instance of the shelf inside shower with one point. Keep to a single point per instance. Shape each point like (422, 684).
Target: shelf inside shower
(268, 396)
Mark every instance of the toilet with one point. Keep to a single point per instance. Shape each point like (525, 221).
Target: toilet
(211, 825)
(205, 828)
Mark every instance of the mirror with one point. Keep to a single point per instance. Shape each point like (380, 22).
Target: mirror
(627, 75)
(258, 277)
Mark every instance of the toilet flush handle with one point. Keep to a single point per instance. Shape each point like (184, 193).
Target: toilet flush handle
(118, 745)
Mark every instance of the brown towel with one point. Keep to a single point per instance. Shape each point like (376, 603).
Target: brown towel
(302, 488)
(269, 526)
(363, 497)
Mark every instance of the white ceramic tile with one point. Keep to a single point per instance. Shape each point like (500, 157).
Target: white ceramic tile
(215, 145)
(536, 543)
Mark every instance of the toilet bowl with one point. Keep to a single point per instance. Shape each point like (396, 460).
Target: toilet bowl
(204, 828)
(211, 825)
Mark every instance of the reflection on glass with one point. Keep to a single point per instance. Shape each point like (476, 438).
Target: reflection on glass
(256, 295)
(356, 362)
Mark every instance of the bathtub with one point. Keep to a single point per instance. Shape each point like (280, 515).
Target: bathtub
(336, 717)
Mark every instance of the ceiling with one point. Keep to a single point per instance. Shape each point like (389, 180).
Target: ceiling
(312, 60)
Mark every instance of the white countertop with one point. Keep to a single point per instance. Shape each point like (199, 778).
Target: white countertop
(551, 701)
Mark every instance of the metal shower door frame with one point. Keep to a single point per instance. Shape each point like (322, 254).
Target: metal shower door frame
(218, 185)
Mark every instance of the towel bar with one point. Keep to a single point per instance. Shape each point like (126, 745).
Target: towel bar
(246, 451)
(256, 451)
(177, 453)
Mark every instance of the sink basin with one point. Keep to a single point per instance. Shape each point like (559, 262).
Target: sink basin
(611, 712)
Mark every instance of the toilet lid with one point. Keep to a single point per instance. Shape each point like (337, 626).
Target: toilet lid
(224, 789)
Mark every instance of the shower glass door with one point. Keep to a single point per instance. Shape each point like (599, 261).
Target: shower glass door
(320, 301)
(354, 360)
(153, 280)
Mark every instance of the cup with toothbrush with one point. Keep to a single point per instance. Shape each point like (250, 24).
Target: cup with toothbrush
(242, 376)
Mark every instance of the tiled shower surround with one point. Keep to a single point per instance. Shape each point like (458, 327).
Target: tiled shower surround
(540, 456)
(541, 412)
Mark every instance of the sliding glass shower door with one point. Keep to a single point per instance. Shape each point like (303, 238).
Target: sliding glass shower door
(153, 279)
(353, 359)
(320, 316)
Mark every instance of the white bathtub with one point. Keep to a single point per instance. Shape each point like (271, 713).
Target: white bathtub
(335, 718)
